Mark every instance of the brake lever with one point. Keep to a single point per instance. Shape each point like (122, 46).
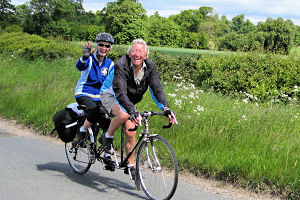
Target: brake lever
(174, 117)
(133, 129)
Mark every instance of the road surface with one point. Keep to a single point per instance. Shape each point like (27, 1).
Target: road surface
(36, 169)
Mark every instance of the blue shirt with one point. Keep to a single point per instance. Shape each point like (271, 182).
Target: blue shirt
(93, 74)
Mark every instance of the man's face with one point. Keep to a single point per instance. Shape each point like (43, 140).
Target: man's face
(138, 54)
(103, 48)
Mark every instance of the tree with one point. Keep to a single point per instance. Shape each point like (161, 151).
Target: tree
(41, 15)
(297, 35)
(124, 20)
(163, 32)
(279, 35)
(7, 13)
(242, 26)
(196, 40)
(190, 19)
(67, 9)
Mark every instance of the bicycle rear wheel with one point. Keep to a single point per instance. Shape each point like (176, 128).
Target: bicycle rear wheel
(78, 158)
(157, 168)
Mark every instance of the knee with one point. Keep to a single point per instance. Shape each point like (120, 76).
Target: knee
(130, 125)
(130, 135)
(119, 113)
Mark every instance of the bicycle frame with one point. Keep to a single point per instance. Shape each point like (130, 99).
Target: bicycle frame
(151, 150)
(143, 136)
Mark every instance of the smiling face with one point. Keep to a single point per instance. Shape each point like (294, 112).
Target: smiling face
(103, 48)
(138, 54)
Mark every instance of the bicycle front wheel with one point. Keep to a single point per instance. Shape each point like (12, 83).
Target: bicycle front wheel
(78, 158)
(157, 168)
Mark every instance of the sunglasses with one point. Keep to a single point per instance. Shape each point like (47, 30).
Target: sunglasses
(104, 45)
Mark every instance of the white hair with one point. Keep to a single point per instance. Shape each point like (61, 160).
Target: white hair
(139, 41)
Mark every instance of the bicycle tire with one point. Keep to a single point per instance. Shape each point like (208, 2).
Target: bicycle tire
(159, 181)
(78, 158)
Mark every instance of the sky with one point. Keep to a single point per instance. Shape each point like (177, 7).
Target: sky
(254, 10)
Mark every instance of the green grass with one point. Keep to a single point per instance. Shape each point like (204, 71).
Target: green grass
(252, 145)
(173, 51)
(177, 51)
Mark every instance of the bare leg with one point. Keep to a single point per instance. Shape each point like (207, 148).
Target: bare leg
(130, 139)
(86, 124)
(120, 117)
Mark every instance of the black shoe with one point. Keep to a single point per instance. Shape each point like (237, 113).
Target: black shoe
(108, 165)
(80, 139)
(107, 143)
(132, 172)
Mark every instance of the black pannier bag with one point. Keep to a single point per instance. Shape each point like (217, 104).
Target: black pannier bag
(66, 122)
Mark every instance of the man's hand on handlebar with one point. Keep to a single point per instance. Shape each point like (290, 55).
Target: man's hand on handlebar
(136, 118)
(171, 115)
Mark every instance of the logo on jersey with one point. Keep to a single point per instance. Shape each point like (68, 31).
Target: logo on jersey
(104, 71)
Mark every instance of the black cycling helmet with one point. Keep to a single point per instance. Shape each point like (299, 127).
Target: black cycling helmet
(106, 37)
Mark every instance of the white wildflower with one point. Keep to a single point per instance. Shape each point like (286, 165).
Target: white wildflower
(244, 117)
(185, 88)
(178, 102)
(192, 86)
(191, 95)
(172, 95)
(200, 108)
(245, 100)
(179, 84)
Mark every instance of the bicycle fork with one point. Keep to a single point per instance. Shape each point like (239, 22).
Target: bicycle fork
(157, 166)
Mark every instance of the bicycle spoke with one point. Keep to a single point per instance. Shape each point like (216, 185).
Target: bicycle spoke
(157, 168)
(78, 158)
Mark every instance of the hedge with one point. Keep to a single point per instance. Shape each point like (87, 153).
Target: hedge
(261, 77)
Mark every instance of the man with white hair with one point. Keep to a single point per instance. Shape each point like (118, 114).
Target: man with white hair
(133, 74)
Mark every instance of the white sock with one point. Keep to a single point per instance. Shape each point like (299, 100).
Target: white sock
(130, 165)
(106, 155)
(81, 129)
(108, 136)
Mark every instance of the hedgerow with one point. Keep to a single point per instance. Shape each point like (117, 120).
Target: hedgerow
(261, 77)
(258, 77)
(33, 46)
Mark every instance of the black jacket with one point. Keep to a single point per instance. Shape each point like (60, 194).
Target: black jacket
(127, 92)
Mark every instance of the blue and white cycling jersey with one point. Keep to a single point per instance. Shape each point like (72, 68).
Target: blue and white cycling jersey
(93, 74)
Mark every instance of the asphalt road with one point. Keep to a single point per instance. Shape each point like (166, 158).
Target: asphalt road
(36, 169)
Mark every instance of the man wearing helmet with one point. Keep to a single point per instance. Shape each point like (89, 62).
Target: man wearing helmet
(94, 69)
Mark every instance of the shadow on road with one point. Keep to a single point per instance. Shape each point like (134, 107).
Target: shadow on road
(90, 179)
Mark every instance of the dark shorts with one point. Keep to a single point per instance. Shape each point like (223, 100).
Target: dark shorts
(96, 111)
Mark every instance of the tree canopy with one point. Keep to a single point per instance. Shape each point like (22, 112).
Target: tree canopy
(126, 20)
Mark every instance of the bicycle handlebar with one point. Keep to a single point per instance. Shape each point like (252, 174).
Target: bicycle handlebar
(147, 114)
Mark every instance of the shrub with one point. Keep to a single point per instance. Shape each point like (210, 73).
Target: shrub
(13, 28)
(33, 46)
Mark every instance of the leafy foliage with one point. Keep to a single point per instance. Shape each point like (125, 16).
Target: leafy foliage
(127, 20)
(123, 19)
(33, 47)
(7, 11)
